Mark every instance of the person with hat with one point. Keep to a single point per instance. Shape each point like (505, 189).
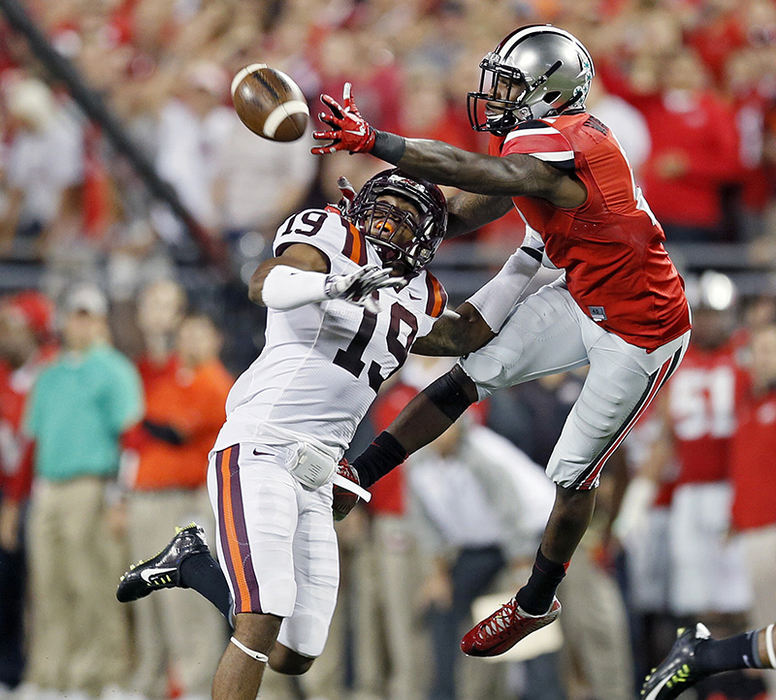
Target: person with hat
(78, 409)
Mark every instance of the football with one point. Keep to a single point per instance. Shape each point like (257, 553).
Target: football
(269, 103)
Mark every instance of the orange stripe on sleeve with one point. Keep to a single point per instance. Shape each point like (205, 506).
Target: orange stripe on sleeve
(440, 297)
(357, 245)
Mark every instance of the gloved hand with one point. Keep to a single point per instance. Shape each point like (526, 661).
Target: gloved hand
(344, 501)
(357, 287)
(348, 194)
(349, 130)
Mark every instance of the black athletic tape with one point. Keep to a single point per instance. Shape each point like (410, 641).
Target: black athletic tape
(385, 453)
(447, 394)
(535, 254)
(388, 147)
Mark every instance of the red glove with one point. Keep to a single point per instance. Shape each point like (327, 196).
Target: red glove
(349, 130)
(344, 501)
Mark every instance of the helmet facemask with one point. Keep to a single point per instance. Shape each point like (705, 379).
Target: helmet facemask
(404, 239)
(545, 73)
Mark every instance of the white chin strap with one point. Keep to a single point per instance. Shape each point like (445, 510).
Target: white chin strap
(262, 658)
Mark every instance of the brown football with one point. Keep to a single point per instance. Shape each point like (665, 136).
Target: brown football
(269, 103)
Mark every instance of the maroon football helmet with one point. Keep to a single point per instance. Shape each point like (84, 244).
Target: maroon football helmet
(428, 227)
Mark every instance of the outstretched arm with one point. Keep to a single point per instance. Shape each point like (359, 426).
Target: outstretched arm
(467, 212)
(421, 421)
(455, 334)
(510, 176)
(480, 317)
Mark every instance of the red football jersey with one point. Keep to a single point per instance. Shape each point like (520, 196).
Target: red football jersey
(752, 449)
(611, 246)
(701, 407)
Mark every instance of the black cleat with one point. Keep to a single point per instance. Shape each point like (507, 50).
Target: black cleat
(679, 670)
(163, 570)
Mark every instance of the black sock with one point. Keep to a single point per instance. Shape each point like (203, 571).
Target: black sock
(715, 655)
(378, 459)
(537, 595)
(202, 573)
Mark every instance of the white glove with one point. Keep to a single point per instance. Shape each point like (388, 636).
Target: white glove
(357, 287)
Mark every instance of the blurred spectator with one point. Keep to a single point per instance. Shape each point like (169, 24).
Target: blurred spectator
(694, 151)
(79, 408)
(753, 95)
(625, 121)
(642, 527)
(44, 160)
(387, 575)
(753, 477)
(257, 183)
(532, 415)
(185, 401)
(466, 488)
(697, 417)
(192, 128)
(25, 337)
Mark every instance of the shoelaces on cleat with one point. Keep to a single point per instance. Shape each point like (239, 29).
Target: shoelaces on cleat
(499, 621)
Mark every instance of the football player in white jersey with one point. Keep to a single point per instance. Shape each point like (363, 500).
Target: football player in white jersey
(348, 296)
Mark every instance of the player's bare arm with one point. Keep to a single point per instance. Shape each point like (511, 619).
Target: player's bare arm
(467, 211)
(508, 176)
(455, 334)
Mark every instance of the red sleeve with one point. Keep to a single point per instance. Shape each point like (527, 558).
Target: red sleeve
(722, 161)
(19, 484)
(540, 140)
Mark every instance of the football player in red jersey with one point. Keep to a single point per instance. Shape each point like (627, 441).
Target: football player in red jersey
(619, 308)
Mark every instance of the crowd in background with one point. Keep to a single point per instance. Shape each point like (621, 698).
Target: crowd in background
(111, 386)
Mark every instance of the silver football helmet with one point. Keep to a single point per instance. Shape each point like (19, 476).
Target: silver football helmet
(536, 71)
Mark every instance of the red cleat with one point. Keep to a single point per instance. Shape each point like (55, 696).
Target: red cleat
(504, 628)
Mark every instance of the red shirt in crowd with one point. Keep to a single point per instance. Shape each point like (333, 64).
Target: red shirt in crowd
(701, 409)
(700, 128)
(191, 401)
(16, 449)
(751, 459)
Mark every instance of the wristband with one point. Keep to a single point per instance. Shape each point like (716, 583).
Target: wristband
(388, 147)
(385, 453)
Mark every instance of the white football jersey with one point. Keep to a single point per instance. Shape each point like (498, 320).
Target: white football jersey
(323, 363)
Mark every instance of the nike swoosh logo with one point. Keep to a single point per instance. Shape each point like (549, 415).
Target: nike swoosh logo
(412, 296)
(257, 453)
(360, 132)
(148, 574)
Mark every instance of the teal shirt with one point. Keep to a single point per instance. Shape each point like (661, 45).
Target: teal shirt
(78, 408)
